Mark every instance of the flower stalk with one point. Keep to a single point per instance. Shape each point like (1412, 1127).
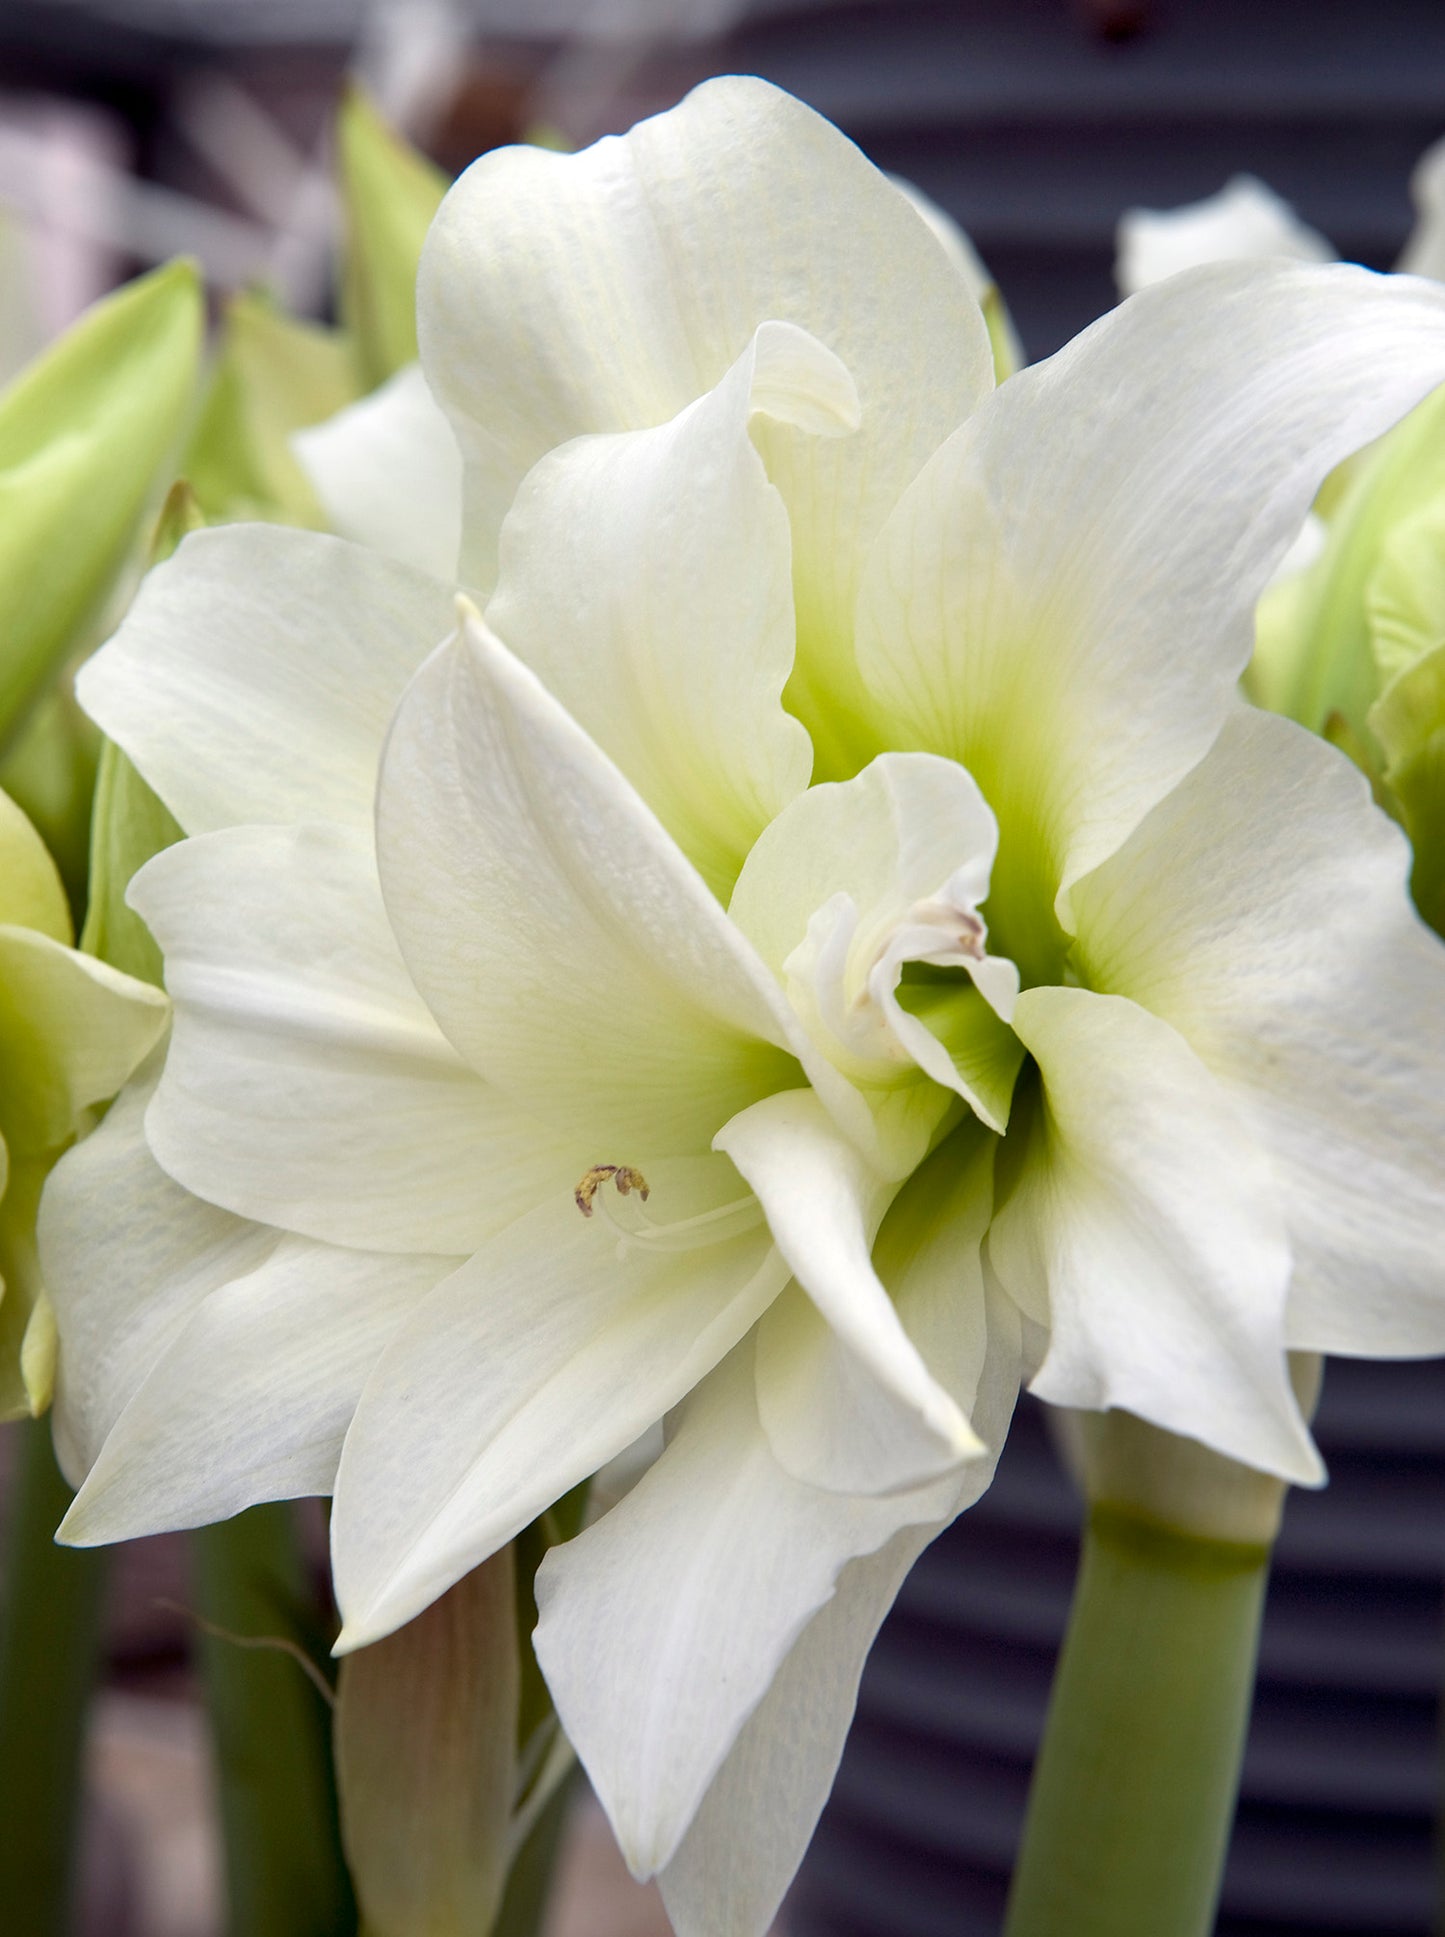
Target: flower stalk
(1134, 1790)
(285, 1873)
(1135, 1784)
(49, 1644)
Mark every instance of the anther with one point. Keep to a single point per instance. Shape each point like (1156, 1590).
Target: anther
(623, 1176)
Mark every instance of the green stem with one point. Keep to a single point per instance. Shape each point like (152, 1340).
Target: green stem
(50, 1636)
(284, 1869)
(1134, 1790)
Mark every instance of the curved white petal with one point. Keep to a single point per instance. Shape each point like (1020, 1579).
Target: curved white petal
(1245, 220)
(646, 578)
(557, 933)
(907, 845)
(604, 291)
(251, 1399)
(254, 675)
(1064, 599)
(749, 1836)
(306, 1084)
(752, 1829)
(663, 1625)
(120, 1305)
(72, 1030)
(1008, 354)
(388, 473)
(1262, 910)
(855, 1408)
(1142, 1229)
(539, 1360)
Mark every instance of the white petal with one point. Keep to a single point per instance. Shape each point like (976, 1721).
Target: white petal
(647, 580)
(306, 1084)
(732, 1870)
(1142, 1229)
(1262, 910)
(748, 1838)
(663, 1625)
(854, 1408)
(252, 1398)
(119, 1306)
(254, 676)
(1245, 220)
(563, 294)
(525, 1371)
(953, 240)
(558, 934)
(888, 838)
(896, 838)
(1064, 599)
(388, 473)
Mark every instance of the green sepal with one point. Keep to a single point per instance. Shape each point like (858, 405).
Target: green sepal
(389, 194)
(273, 376)
(86, 434)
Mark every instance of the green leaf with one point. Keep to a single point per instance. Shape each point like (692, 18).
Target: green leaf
(272, 377)
(86, 435)
(130, 824)
(389, 195)
(50, 771)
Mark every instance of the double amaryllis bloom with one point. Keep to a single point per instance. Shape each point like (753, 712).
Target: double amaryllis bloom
(811, 938)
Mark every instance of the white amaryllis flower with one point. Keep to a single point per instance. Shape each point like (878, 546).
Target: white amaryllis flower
(1245, 221)
(812, 935)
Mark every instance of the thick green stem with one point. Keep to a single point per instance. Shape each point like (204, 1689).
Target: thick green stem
(50, 1635)
(1134, 1790)
(284, 1868)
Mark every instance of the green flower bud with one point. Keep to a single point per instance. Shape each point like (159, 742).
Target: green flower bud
(1353, 647)
(86, 433)
(71, 1032)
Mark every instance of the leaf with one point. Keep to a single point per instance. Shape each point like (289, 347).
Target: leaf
(389, 195)
(86, 434)
(273, 376)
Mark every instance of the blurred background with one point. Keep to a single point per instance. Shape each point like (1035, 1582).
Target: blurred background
(132, 130)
